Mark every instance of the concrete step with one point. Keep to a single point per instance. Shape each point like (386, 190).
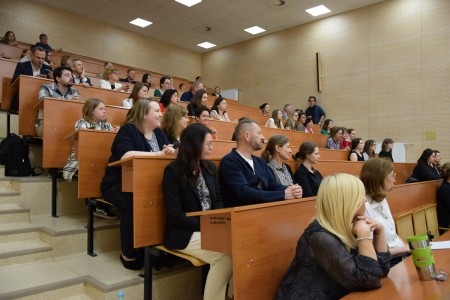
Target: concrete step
(13, 213)
(20, 248)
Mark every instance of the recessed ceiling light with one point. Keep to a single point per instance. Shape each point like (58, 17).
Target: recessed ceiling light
(206, 45)
(254, 30)
(188, 3)
(141, 22)
(318, 10)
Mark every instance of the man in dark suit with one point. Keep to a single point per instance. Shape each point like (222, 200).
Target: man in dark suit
(79, 74)
(131, 74)
(34, 67)
(246, 179)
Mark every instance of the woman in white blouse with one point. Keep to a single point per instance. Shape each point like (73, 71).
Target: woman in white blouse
(110, 81)
(219, 110)
(378, 177)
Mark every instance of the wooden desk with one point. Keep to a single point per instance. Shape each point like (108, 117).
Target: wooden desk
(403, 281)
(56, 150)
(10, 51)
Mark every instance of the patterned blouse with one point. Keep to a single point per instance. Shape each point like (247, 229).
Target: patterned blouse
(281, 173)
(153, 142)
(71, 166)
(203, 192)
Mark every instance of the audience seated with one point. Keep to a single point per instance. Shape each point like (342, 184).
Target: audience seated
(49, 59)
(287, 108)
(292, 121)
(425, 170)
(326, 127)
(66, 61)
(131, 73)
(165, 83)
(276, 121)
(216, 92)
(306, 176)
(140, 90)
(443, 198)
(43, 43)
(25, 56)
(34, 67)
(190, 184)
(60, 89)
(351, 134)
(219, 110)
(378, 177)
(200, 98)
(437, 161)
(345, 142)
(202, 117)
(79, 74)
(195, 87)
(265, 108)
(337, 254)
(277, 152)
(315, 111)
(333, 141)
(9, 39)
(140, 135)
(109, 81)
(170, 97)
(301, 121)
(356, 154)
(246, 179)
(386, 149)
(309, 125)
(369, 149)
(175, 120)
(147, 80)
(94, 117)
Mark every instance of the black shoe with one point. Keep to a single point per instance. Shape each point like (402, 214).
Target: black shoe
(130, 264)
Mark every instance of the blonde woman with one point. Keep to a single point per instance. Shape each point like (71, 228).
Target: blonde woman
(175, 120)
(341, 250)
(110, 81)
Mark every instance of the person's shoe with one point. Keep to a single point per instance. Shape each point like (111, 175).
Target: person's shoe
(104, 214)
(131, 264)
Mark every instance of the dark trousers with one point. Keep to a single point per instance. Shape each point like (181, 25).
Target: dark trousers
(124, 204)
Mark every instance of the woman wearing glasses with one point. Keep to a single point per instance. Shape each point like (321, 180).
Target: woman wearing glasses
(190, 184)
(292, 121)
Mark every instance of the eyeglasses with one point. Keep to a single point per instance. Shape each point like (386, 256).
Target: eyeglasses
(209, 144)
(393, 175)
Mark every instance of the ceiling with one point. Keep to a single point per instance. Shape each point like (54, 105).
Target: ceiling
(176, 24)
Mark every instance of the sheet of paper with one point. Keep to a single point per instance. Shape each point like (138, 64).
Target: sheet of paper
(440, 245)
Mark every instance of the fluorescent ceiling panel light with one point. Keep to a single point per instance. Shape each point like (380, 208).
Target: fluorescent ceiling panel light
(141, 22)
(254, 30)
(318, 10)
(188, 3)
(206, 45)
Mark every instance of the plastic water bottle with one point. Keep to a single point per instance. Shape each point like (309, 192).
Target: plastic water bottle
(120, 295)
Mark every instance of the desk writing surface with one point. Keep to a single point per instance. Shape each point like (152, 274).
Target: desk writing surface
(403, 281)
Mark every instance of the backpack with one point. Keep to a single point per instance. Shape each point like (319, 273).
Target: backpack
(14, 155)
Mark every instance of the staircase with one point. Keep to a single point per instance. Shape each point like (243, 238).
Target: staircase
(45, 258)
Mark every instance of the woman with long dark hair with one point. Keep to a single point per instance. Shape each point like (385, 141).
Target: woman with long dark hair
(190, 184)
(357, 150)
(369, 149)
(306, 176)
(386, 149)
(170, 97)
(424, 170)
(199, 99)
(219, 110)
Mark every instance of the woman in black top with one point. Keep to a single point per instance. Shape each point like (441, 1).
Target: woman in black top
(386, 149)
(425, 170)
(443, 198)
(139, 136)
(308, 178)
(357, 150)
(190, 184)
(199, 99)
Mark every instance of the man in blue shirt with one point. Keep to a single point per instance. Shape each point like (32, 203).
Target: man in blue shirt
(315, 111)
(246, 179)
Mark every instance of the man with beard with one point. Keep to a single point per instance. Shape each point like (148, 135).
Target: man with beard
(60, 89)
(246, 179)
